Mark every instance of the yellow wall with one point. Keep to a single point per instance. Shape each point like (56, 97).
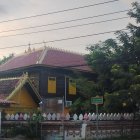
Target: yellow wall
(24, 101)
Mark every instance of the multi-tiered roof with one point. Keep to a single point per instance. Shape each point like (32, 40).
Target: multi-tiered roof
(48, 57)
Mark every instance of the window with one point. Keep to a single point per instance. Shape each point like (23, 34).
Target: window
(72, 87)
(51, 84)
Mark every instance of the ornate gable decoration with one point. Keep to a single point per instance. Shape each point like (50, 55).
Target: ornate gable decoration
(10, 86)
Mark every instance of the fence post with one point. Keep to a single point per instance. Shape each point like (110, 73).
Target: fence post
(83, 132)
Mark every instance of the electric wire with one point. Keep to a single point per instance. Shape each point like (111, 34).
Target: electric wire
(67, 21)
(61, 11)
(65, 39)
(61, 28)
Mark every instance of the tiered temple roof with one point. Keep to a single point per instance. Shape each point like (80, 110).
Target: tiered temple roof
(48, 57)
(65, 59)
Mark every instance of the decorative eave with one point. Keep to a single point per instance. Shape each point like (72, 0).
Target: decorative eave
(25, 79)
(35, 90)
(6, 102)
(45, 66)
(18, 87)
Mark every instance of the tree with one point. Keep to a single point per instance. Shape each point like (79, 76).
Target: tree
(5, 59)
(101, 58)
(117, 63)
(87, 89)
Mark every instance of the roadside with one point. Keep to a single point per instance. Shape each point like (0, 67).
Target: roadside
(19, 137)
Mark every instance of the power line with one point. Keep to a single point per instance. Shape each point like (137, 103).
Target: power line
(67, 21)
(61, 11)
(67, 27)
(64, 39)
(83, 36)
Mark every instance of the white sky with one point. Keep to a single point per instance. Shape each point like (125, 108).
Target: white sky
(11, 9)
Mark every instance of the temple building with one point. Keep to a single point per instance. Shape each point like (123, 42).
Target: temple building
(20, 93)
(42, 75)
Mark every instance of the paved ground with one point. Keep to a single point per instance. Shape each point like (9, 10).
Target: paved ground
(20, 137)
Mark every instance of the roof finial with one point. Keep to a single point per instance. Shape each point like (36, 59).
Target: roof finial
(29, 48)
(44, 44)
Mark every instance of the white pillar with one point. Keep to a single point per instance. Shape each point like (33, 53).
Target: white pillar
(83, 131)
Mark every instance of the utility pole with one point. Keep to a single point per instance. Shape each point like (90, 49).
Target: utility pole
(97, 100)
(65, 89)
(97, 122)
(63, 129)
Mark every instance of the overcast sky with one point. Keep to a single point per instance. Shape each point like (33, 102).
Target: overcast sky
(13, 9)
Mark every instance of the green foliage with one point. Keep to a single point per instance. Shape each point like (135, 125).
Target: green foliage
(135, 12)
(33, 126)
(5, 59)
(117, 63)
(101, 54)
(29, 130)
(119, 101)
(87, 89)
(136, 79)
(76, 105)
